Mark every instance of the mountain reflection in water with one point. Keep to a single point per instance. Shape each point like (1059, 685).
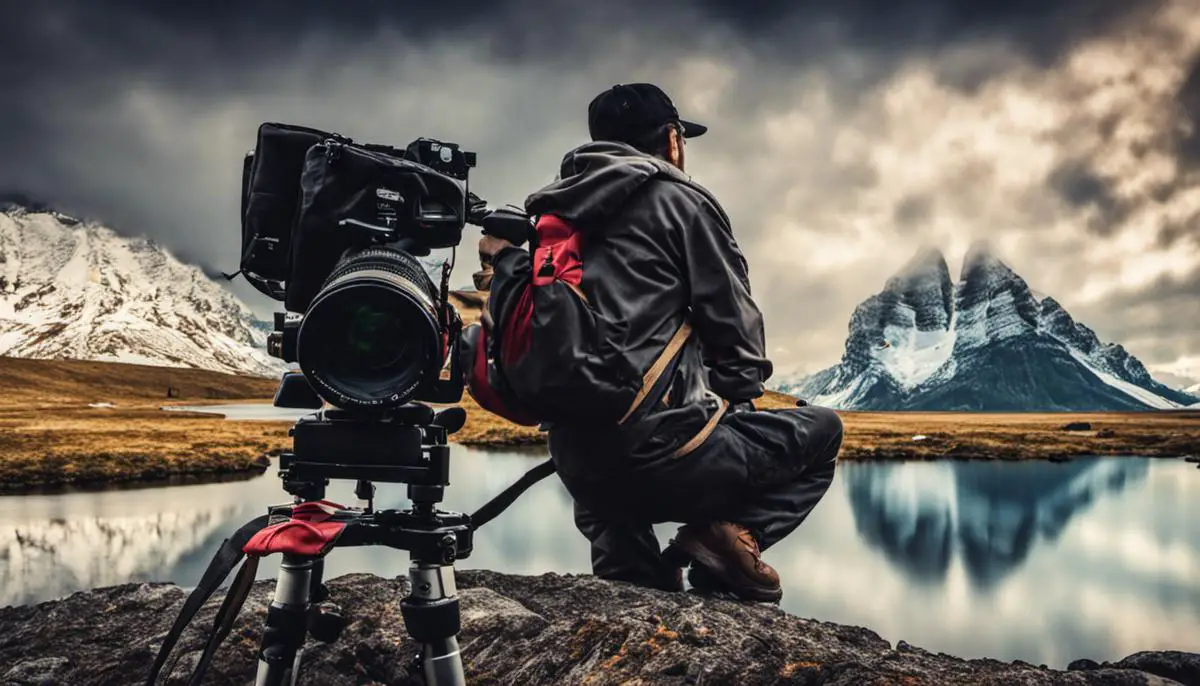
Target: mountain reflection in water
(990, 514)
(1034, 561)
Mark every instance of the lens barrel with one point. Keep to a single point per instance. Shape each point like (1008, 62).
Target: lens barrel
(371, 337)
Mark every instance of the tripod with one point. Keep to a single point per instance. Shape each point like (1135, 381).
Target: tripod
(430, 610)
(407, 446)
(434, 539)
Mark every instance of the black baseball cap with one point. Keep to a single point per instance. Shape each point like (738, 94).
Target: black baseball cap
(628, 112)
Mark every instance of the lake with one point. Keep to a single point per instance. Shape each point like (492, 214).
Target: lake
(1036, 561)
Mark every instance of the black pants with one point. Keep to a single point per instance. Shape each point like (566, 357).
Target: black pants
(765, 470)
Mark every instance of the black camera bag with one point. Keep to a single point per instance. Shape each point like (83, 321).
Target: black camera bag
(354, 196)
(270, 201)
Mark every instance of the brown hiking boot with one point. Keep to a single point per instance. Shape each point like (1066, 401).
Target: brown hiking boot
(729, 554)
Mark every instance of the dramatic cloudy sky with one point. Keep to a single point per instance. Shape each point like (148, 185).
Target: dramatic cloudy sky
(844, 135)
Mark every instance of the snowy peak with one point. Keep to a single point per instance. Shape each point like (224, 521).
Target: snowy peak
(980, 258)
(993, 303)
(985, 343)
(903, 334)
(71, 289)
(924, 285)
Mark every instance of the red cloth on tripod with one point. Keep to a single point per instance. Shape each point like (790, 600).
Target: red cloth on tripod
(311, 531)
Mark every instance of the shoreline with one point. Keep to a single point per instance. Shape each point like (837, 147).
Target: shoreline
(136, 444)
(69, 425)
(203, 477)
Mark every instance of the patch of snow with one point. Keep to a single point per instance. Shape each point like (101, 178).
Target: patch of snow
(912, 356)
(920, 437)
(1152, 399)
(101, 405)
(845, 399)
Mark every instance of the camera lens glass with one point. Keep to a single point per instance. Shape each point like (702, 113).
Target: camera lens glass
(371, 335)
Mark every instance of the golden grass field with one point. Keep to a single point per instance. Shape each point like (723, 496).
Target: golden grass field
(50, 436)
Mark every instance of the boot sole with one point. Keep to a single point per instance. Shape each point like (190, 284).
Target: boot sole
(735, 582)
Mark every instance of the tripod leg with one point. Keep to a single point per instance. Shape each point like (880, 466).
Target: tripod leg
(431, 617)
(283, 635)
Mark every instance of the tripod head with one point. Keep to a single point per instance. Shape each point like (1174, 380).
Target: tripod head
(407, 444)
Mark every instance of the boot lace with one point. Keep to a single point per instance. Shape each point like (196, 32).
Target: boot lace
(747, 539)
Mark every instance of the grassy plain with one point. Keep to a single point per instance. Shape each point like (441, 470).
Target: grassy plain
(66, 422)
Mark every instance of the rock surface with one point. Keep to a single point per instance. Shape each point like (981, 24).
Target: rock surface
(549, 629)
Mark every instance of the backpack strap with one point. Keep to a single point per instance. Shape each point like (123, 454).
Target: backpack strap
(222, 563)
(652, 390)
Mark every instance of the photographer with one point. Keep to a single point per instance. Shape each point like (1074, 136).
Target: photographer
(659, 256)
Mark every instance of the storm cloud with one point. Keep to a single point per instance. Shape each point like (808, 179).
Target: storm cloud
(844, 135)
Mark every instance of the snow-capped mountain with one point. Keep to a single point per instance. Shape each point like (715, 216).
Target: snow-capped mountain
(76, 289)
(985, 343)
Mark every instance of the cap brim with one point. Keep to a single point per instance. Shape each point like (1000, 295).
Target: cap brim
(692, 129)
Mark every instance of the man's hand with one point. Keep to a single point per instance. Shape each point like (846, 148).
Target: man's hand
(489, 246)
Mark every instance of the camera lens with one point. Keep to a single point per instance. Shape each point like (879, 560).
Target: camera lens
(371, 335)
(370, 338)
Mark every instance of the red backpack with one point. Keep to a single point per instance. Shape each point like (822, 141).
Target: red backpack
(539, 353)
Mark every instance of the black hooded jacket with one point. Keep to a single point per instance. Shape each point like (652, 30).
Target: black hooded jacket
(658, 250)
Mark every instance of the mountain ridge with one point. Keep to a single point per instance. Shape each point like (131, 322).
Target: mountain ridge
(76, 289)
(984, 343)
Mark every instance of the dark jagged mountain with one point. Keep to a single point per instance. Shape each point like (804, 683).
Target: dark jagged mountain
(987, 343)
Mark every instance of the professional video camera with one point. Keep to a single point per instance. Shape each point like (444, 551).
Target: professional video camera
(333, 229)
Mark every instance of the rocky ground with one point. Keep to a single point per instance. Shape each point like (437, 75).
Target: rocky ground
(549, 629)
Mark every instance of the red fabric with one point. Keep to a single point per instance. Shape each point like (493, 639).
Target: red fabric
(559, 245)
(518, 329)
(309, 532)
(482, 391)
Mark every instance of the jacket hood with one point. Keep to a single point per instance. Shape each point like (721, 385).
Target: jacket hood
(596, 179)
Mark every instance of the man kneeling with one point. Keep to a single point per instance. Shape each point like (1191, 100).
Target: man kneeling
(661, 260)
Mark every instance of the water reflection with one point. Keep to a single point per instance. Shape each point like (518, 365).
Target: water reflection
(54, 544)
(48, 558)
(992, 515)
(1041, 562)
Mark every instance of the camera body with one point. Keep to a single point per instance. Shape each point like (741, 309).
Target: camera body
(332, 228)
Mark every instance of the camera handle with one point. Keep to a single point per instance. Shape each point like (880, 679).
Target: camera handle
(509, 223)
